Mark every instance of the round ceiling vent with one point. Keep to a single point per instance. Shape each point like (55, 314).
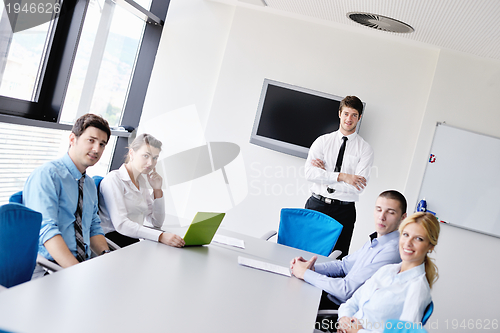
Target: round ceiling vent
(380, 22)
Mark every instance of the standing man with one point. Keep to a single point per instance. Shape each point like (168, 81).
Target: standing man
(339, 165)
(67, 197)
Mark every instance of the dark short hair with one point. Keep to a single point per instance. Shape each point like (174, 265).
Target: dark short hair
(90, 120)
(352, 102)
(395, 195)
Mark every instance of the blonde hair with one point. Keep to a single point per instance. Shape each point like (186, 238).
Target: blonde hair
(140, 140)
(431, 227)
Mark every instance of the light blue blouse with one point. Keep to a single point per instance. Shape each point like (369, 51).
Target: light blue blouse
(389, 294)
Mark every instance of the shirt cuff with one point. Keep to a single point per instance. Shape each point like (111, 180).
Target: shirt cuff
(310, 276)
(150, 234)
(48, 233)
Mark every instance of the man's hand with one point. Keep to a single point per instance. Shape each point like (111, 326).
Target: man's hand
(357, 181)
(318, 163)
(171, 239)
(299, 266)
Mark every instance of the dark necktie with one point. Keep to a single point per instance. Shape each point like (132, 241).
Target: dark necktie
(80, 244)
(340, 158)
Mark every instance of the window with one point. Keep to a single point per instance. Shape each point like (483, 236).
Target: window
(23, 63)
(104, 63)
(24, 148)
(82, 61)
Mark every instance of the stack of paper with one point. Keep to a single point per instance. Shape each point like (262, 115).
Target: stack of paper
(229, 241)
(265, 266)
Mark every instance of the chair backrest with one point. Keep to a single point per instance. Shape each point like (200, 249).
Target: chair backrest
(19, 230)
(97, 181)
(427, 312)
(17, 197)
(402, 326)
(308, 230)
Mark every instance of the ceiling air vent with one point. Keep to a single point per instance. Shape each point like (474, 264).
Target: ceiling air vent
(380, 22)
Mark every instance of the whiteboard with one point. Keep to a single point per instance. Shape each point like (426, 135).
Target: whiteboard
(462, 180)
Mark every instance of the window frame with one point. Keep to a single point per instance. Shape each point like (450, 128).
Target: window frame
(46, 111)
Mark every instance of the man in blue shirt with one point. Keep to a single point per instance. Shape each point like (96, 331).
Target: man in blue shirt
(340, 278)
(53, 190)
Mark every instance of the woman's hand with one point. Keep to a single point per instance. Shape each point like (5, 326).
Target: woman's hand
(349, 325)
(171, 239)
(155, 180)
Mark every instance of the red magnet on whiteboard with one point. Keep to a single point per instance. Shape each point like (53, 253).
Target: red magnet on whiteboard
(432, 158)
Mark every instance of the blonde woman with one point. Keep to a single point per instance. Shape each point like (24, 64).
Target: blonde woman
(126, 202)
(400, 291)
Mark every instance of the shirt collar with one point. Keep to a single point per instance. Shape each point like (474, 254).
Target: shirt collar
(385, 238)
(411, 273)
(350, 137)
(68, 162)
(123, 173)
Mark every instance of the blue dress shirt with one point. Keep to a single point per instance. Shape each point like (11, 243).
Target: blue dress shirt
(52, 190)
(389, 294)
(340, 279)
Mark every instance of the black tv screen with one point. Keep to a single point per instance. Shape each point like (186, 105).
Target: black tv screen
(290, 118)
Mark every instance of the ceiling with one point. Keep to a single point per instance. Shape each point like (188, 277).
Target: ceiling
(470, 26)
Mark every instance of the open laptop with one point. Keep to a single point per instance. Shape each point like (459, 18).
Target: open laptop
(203, 228)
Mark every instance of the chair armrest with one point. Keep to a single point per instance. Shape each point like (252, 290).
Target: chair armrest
(327, 312)
(268, 235)
(335, 254)
(112, 245)
(47, 264)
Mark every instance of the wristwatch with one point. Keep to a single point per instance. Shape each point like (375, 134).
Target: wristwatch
(105, 251)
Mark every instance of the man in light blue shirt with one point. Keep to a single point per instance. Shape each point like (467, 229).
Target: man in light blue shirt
(341, 278)
(53, 190)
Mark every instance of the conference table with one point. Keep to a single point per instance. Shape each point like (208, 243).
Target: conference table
(151, 287)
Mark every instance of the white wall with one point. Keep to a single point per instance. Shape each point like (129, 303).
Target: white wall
(464, 94)
(215, 57)
(268, 46)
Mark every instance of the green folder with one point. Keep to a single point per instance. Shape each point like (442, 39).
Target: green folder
(203, 228)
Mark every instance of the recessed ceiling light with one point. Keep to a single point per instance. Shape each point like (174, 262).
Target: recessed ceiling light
(380, 22)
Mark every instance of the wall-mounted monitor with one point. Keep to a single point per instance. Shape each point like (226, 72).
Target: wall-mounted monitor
(290, 118)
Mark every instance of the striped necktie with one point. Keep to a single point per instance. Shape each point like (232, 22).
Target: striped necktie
(80, 244)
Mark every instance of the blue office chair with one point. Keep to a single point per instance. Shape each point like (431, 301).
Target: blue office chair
(428, 312)
(17, 197)
(19, 230)
(308, 230)
(402, 326)
(97, 182)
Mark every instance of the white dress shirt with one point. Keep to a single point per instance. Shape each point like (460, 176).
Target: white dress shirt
(358, 160)
(123, 207)
(389, 294)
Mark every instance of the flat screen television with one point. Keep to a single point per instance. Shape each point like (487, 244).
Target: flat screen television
(290, 118)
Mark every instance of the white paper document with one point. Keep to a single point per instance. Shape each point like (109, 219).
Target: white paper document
(265, 266)
(229, 241)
